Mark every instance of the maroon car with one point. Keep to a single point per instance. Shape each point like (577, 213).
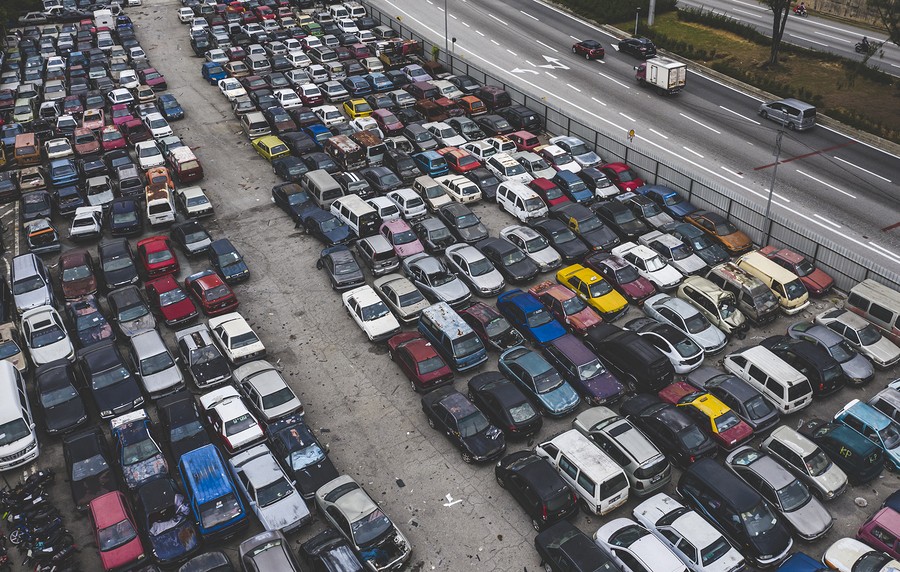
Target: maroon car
(419, 361)
(387, 121)
(154, 79)
(590, 49)
(494, 330)
(815, 279)
(622, 274)
(170, 301)
(76, 274)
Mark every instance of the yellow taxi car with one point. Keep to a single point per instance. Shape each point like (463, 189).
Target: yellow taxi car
(715, 418)
(594, 290)
(270, 147)
(357, 108)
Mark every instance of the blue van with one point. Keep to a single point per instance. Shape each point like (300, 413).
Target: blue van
(212, 72)
(875, 426)
(574, 188)
(319, 134)
(452, 337)
(431, 163)
(212, 496)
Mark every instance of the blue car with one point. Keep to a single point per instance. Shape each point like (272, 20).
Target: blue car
(800, 562)
(124, 217)
(528, 315)
(573, 187)
(170, 108)
(63, 172)
(379, 82)
(325, 227)
(212, 72)
(668, 200)
(540, 381)
(876, 427)
(8, 134)
(319, 134)
(357, 86)
(432, 163)
(68, 200)
(226, 259)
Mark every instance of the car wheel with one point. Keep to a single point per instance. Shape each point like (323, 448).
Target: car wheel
(587, 56)
(467, 458)
(764, 114)
(412, 384)
(791, 126)
(573, 49)
(547, 568)
(500, 481)
(537, 526)
(431, 423)
(584, 506)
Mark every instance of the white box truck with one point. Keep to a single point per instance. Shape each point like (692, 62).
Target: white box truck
(666, 75)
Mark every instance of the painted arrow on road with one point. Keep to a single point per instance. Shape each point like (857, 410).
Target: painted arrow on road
(520, 70)
(554, 64)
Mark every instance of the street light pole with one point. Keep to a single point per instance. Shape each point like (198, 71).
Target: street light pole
(446, 29)
(772, 185)
(637, 16)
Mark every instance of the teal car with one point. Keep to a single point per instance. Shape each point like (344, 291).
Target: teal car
(876, 427)
(540, 381)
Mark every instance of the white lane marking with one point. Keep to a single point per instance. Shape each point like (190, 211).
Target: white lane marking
(512, 52)
(466, 25)
(829, 185)
(574, 38)
(680, 157)
(495, 42)
(805, 39)
(614, 80)
(782, 197)
(895, 65)
(739, 115)
(546, 46)
(430, 2)
(479, 33)
(454, 17)
(529, 63)
(749, 5)
(598, 101)
(689, 150)
(861, 169)
(626, 117)
(529, 15)
(573, 18)
(831, 222)
(751, 14)
(573, 87)
(736, 174)
(883, 249)
(439, 8)
(700, 124)
(832, 37)
(658, 133)
(554, 77)
(498, 19)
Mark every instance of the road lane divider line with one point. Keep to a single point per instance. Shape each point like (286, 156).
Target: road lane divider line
(735, 173)
(495, 42)
(658, 133)
(831, 222)
(863, 170)
(626, 117)
(895, 256)
(573, 87)
(614, 80)
(574, 38)
(805, 39)
(716, 131)
(479, 33)
(573, 18)
(832, 37)
(530, 16)
(739, 115)
(512, 52)
(689, 150)
(774, 194)
(549, 47)
(600, 102)
(466, 25)
(498, 19)
(829, 185)
(454, 17)
(751, 14)
(554, 77)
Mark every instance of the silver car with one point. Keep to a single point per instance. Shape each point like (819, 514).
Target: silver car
(784, 491)
(807, 460)
(266, 391)
(857, 369)
(271, 493)
(154, 364)
(475, 269)
(401, 296)
(862, 335)
(675, 311)
(578, 149)
(534, 245)
(434, 280)
(268, 550)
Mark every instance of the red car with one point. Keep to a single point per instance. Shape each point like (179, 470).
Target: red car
(590, 49)
(388, 122)
(566, 307)
(265, 13)
(170, 300)
(548, 191)
(714, 417)
(115, 532)
(135, 131)
(235, 54)
(622, 176)
(816, 280)
(154, 79)
(524, 140)
(157, 257)
(622, 274)
(254, 83)
(111, 138)
(76, 274)
(85, 141)
(211, 292)
(249, 17)
(458, 160)
(420, 362)
(121, 113)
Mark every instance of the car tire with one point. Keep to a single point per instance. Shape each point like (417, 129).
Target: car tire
(584, 507)
(587, 56)
(547, 568)
(764, 114)
(536, 525)
(467, 458)
(412, 384)
(573, 49)
(431, 423)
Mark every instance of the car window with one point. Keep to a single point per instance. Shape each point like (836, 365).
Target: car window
(567, 467)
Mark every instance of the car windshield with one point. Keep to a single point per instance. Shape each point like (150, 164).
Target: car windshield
(696, 323)
(538, 318)
(793, 496)
(220, 510)
(654, 264)
(869, 335)
(547, 381)
(841, 352)
(116, 535)
(715, 551)
(155, 364)
(496, 326)
(331, 224)
(686, 347)
(480, 267)
(759, 519)
(817, 463)
(573, 305)
(404, 237)
(410, 298)
(589, 224)
(58, 396)
(172, 297)
(133, 312)
(433, 193)
(467, 345)
(472, 424)
(8, 349)
(522, 412)
(514, 256)
(159, 256)
(189, 429)
(243, 340)
(47, 336)
(441, 278)
(231, 257)
(590, 370)
(126, 217)
(274, 492)
(691, 437)
(12, 431)
(109, 377)
(278, 398)
(601, 288)
(467, 220)
(534, 204)
(794, 289)
(26, 285)
(370, 528)
(76, 273)
(374, 311)
(137, 452)
(726, 421)
(724, 228)
(340, 269)
(239, 424)
(890, 437)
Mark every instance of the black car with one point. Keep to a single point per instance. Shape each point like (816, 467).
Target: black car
(229, 263)
(68, 199)
(129, 311)
(505, 405)
(90, 325)
(621, 220)
(115, 264)
(92, 166)
(292, 199)
(823, 371)
(190, 237)
(463, 222)
(564, 548)
(670, 429)
(433, 234)
(493, 124)
(6, 299)
(569, 246)
(352, 184)
(754, 409)
(169, 532)
(325, 227)
(88, 467)
(298, 142)
(700, 243)
(59, 400)
(409, 116)
(181, 428)
(638, 47)
(402, 164)
(341, 266)
(319, 160)
(289, 168)
(304, 117)
(508, 260)
(381, 179)
(860, 458)
(300, 454)
(583, 222)
(202, 358)
(486, 181)
(594, 179)
(464, 83)
(9, 189)
(450, 412)
(421, 138)
(328, 551)
(35, 205)
(398, 78)
(381, 101)
(113, 386)
(124, 217)
(522, 118)
(537, 487)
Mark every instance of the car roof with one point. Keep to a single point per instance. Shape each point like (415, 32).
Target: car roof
(108, 509)
(770, 471)
(525, 301)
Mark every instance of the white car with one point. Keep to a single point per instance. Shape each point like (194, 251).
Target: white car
(193, 202)
(474, 269)
(185, 15)
(231, 88)
(58, 148)
(217, 56)
(534, 245)
(677, 312)
(236, 338)
(297, 77)
(447, 89)
(370, 313)
(684, 354)
(409, 202)
(271, 493)
(120, 95)
(148, 154)
(696, 542)
(267, 391)
(444, 134)
(384, 208)
(129, 79)
(329, 114)
(309, 90)
(650, 265)
(348, 26)
(230, 419)
(367, 124)
(55, 63)
(158, 126)
(288, 98)
(846, 553)
(536, 166)
(46, 336)
(677, 253)
(626, 541)
(334, 91)
(561, 160)
(482, 150)
(299, 60)
(87, 223)
(862, 336)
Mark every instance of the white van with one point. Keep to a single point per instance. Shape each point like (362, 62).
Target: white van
(19, 445)
(322, 188)
(877, 304)
(520, 201)
(357, 214)
(160, 206)
(770, 375)
(600, 484)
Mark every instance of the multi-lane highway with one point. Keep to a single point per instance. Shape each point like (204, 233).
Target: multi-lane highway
(842, 187)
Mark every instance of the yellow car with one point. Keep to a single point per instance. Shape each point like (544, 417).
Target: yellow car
(357, 108)
(715, 418)
(270, 147)
(594, 290)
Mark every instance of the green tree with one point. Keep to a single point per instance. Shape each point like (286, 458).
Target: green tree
(888, 12)
(780, 10)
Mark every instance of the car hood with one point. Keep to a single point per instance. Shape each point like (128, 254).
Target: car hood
(546, 259)
(603, 387)
(638, 289)
(588, 159)
(601, 238)
(817, 281)
(179, 310)
(883, 351)
(452, 291)
(66, 415)
(689, 265)
(858, 368)
(710, 339)
(132, 328)
(771, 542)
(473, 233)
(584, 319)
(408, 249)
(713, 254)
(59, 350)
(180, 539)
(33, 299)
(560, 400)
(737, 434)
(237, 269)
(126, 554)
(160, 382)
(118, 395)
(122, 277)
(657, 221)
(283, 514)
(311, 477)
(199, 246)
(139, 473)
(812, 519)
(525, 269)
(491, 281)
(833, 480)
(508, 339)
(486, 444)
(100, 199)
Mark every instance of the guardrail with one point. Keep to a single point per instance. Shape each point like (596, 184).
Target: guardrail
(847, 267)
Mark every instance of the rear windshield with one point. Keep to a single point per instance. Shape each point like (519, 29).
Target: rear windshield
(799, 391)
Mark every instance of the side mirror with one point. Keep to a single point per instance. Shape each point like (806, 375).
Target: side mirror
(637, 68)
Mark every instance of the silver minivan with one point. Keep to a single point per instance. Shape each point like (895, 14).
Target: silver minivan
(155, 365)
(792, 113)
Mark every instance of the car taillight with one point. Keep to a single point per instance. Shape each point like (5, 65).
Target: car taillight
(821, 387)
(692, 459)
(513, 429)
(544, 512)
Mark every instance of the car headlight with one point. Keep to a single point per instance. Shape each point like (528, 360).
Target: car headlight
(106, 413)
(139, 401)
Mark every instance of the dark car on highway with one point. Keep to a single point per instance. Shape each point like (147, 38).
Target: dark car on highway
(537, 487)
(505, 405)
(670, 429)
(638, 47)
(88, 469)
(451, 413)
(180, 427)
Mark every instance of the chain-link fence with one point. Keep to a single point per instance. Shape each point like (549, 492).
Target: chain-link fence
(847, 267)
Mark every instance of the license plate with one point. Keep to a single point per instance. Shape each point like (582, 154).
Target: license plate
(657, 478)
